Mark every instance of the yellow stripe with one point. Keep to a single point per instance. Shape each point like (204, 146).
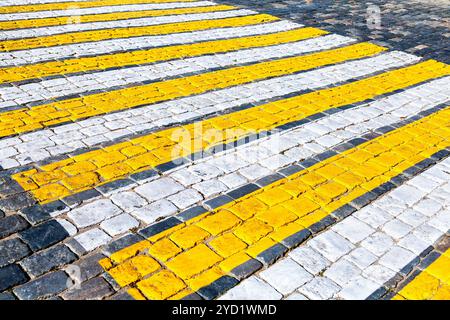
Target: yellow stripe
(152, 55)
(25, 120)
(58, 21)
(433, 283)
(106, 34)
(78, 5)
(222, 240)
(94, 168)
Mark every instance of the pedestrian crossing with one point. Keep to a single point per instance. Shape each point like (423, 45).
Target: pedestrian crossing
(233, 148)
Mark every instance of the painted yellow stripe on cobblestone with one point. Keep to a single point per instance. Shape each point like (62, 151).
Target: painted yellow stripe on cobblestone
(102, 62)
(433, 283)
(28, 119)
(78, 5)
(85, 171)
(106, 34)
(198, 252)
(57, 21)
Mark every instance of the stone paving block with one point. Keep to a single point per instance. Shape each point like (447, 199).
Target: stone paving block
(11, 275)
(119, 224)
(12, 224)
(320, 288)
(43, 261)
(309, 259)
(93, 213)
(92, 239)
(252, 289)
(7, 296)
(43, 287)
(12, 250)
(44, 235)
(89, 267)
(89, 130)
(93, 289)
(286, 276)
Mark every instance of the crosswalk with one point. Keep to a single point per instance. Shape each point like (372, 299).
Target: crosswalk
(209, 151)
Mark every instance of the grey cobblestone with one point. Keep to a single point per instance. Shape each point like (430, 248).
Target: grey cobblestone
(43, 261)
(419, 27)
(93, 289)
(43, 287)
(12, 250)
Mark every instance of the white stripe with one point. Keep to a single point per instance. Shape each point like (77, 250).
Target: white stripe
(142, 22)
(359, 254)
(99, 10)
(225, 171)
(28, 2)
(51, 89)
(39, 145)
(102, 47)
(129, 23)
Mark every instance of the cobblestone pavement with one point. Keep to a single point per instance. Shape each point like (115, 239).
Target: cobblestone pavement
(419, 27)
(153, 149)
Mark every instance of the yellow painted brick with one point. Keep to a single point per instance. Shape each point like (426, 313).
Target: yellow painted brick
(312, 218)
(330, 190)
(189, 236)
(286, 231)
(132, 151)
(107, 158)
(295, 187)
(135, 294)
(76, 168)
(164, 249)
(133, 269)
(105, 263)
(442, 293)
(277, 216)
(193, 261)
(252, 230)
(124, 274)
(301, 206)
(43, 178)
(161, 285)
(440, 269)
(142, 161)
(25, 182)
(130, 251)
(273, 196)
(330, 171)
(182, 294)
(205, 278)
(422, 287)
(219, 222)
(398, 297)
(312, 179)
(260, 246)
(51, 192)
(247, 208)
(227, 245)
(349, 179)
(234, 261)
(84, 180)
(115, 170)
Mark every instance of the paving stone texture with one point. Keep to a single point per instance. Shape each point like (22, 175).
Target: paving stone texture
(159, 149)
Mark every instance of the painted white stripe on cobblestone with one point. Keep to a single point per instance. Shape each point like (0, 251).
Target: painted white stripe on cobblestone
(42, 144)
(359, 254)
(27, 2)
(107, 46)
(100, 10)
(209, 177)
(141, 22)
(50, 89)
